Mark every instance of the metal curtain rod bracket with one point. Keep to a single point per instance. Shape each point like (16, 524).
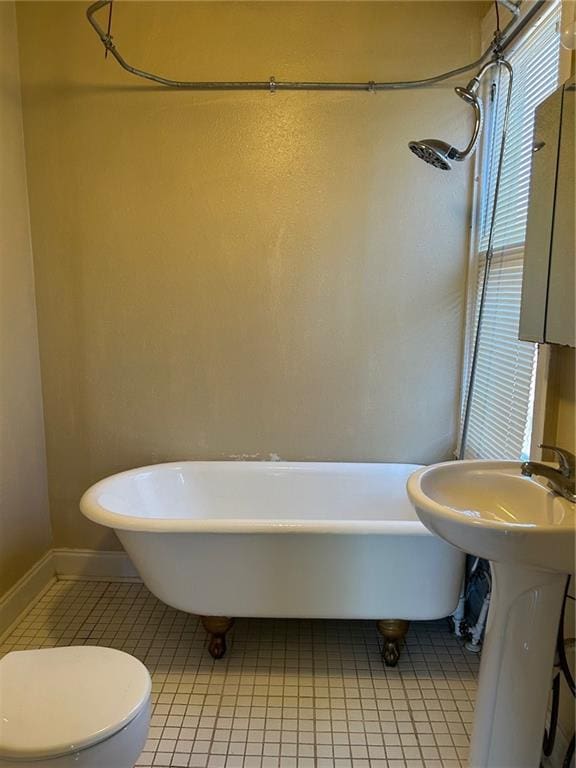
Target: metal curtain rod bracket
(272, 85)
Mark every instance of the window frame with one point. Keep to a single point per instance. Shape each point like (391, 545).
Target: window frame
(474, 252)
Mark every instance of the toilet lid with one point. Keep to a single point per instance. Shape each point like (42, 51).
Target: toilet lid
(55, 701)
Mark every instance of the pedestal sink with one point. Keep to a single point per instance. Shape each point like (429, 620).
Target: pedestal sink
(527, 532)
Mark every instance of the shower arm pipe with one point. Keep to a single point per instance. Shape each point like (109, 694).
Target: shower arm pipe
(478, 122)
(494, 49)
(489, 252)
(476, 104)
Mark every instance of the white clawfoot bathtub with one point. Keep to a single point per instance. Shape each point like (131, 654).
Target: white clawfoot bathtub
(280, 539)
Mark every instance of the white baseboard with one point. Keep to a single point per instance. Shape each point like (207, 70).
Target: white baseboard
(61, 564)
(22, 596)
(92, 565)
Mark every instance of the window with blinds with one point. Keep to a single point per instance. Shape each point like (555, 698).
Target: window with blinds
(503, 394)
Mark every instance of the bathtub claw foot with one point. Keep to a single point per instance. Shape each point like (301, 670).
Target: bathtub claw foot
(217, 646)
(390, 653)
(217, 627)
(393, 632)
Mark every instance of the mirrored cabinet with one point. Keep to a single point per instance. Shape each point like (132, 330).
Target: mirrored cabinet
(548, 298)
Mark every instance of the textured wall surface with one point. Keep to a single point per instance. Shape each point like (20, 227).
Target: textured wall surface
(24, 520)
(240, 274)
(561, 411)
(560, 430)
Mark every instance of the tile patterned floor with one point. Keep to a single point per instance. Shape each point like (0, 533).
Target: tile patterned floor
(288, 693)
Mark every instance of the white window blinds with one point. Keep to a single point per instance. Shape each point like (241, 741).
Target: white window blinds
(503, 394)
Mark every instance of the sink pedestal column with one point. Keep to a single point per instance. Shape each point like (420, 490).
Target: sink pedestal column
(516, 667)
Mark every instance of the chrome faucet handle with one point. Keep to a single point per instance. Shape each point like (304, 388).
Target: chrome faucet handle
(566, 459)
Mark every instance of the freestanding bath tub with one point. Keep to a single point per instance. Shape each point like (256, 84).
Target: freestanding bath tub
(280, 539)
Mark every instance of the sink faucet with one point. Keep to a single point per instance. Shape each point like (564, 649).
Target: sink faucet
(561, 479)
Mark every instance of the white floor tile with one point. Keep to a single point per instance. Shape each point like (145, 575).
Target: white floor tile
(288, 694)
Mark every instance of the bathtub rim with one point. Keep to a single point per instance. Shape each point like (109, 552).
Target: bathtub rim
(95, 512)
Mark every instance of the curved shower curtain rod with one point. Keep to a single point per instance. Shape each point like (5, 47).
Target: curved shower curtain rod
(495, 49)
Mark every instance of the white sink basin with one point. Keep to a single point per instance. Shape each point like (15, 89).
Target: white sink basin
(527, 532)
(489, 509)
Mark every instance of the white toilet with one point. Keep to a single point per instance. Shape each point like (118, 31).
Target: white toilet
(73, 707)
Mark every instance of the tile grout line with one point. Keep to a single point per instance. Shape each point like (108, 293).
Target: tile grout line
(289, 694)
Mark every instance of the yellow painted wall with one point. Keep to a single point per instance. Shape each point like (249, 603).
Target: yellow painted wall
(240, 274)
(560, 430)
(24, 519)
(561, 416)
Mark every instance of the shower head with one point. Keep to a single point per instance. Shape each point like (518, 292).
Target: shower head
(434, 152)
(438, 153)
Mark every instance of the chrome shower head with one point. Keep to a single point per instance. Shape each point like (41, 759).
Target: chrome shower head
(433, 151)
(438, 153)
